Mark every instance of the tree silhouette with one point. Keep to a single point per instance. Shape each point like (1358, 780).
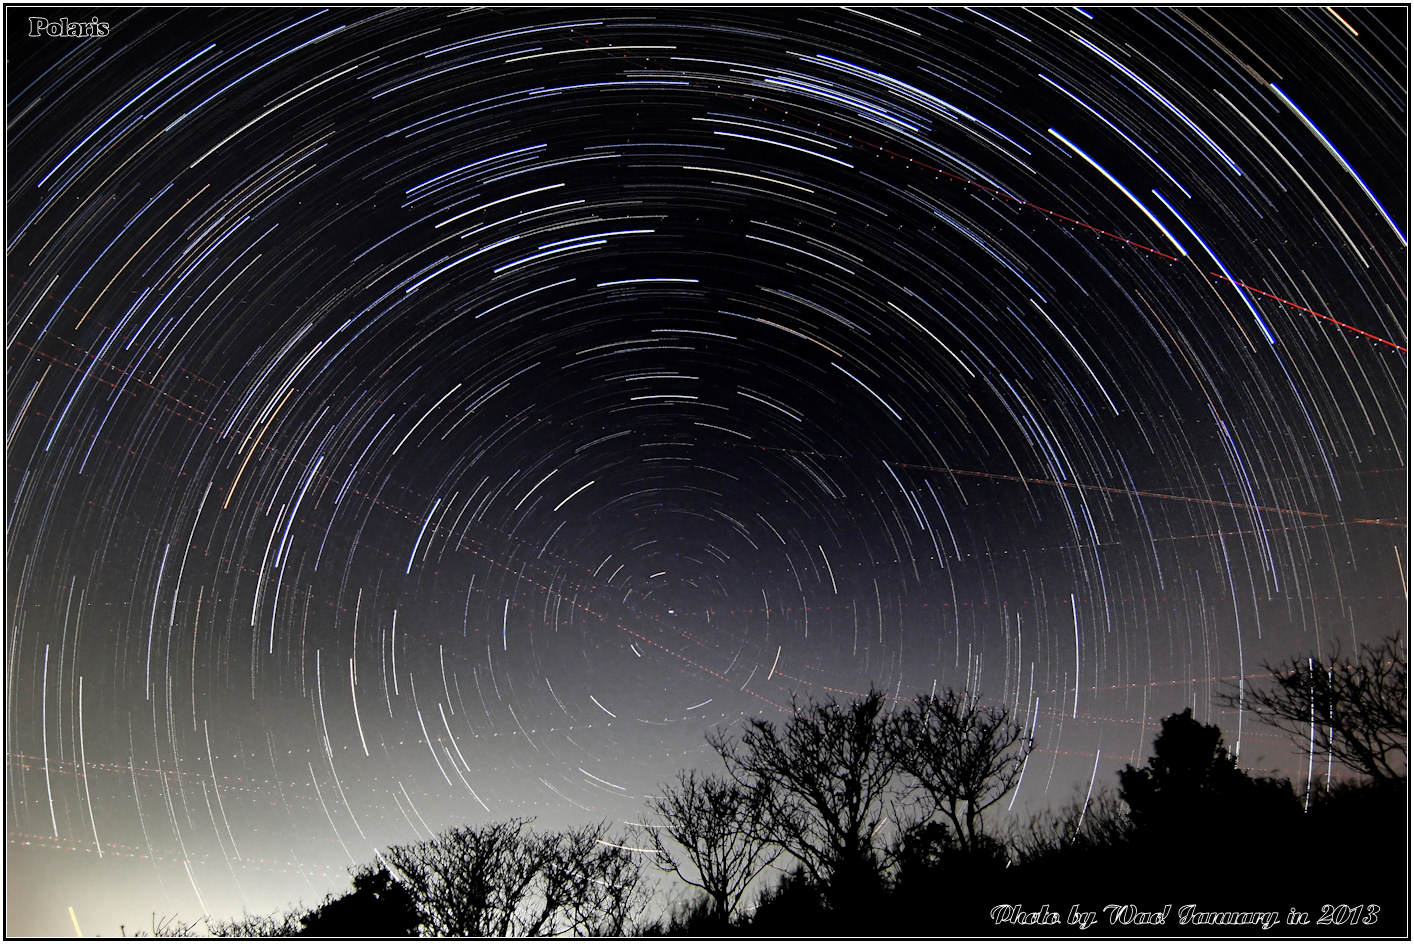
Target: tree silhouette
(961, 756)
(715, 825)
(1191, 781)
(378, 906)
(462, 879)
(1354, 709)
(822, 786)
(506, 880)
(826, 776)
(597, 884)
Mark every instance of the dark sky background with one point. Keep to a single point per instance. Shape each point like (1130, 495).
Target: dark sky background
(423, 417)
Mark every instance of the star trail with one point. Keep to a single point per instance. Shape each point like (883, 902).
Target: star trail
(429, 416)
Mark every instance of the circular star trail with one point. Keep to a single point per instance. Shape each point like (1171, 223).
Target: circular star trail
(430, 416)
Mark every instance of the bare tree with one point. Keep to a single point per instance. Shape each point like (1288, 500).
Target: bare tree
(711, 837)
(506, 880)
(826, 776)
(961, 755)
(596, 883)
(1356, 709)
(462, 879)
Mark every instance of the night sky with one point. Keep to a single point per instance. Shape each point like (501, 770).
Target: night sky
(433, 416)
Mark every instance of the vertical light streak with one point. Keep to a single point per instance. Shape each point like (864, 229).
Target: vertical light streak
(1085, 808)
(44, 734)
(1031, 740)
(216, 787)
(152, 621)
(1311, 746)
(353, 695)
(325, 807)
(1075, 613)
(83, 772)
(284, 538)
(423, 530)
(830, 570)
(186, 864)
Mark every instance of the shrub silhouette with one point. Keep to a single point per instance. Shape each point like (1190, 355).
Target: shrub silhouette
(697, 916)
(797, 906)
(378, 906)
(248, 925)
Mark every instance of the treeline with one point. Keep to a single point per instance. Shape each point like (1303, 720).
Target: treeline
(868, 818)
